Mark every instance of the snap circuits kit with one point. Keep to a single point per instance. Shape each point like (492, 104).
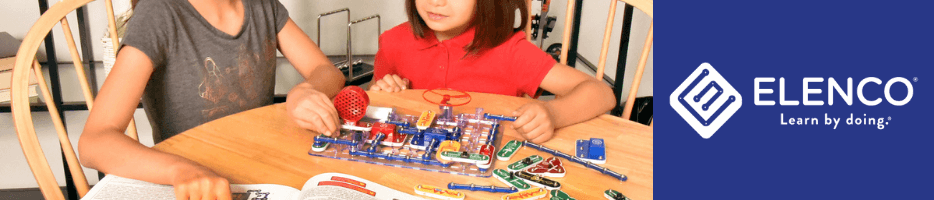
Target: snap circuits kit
(446, 142)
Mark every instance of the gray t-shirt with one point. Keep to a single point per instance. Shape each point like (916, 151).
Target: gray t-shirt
(201, 73)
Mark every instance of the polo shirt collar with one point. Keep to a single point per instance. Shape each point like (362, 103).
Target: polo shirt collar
(461, 40)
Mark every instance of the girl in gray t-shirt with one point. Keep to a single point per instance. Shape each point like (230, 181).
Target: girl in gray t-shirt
(193, 61)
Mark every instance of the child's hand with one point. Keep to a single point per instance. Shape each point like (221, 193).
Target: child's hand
(197, 182)
(390, 83)
(535, 122)
(312, 110)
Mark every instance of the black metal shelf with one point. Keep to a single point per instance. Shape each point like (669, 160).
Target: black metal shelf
(41, 107)
(363, 72)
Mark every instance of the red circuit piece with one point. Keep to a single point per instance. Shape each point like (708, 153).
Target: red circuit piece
(389, 130)
(551, 167)
(488, 151)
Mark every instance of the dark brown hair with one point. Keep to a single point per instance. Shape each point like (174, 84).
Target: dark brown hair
(493, 20)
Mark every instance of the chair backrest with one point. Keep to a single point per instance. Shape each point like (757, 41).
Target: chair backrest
(22, 116)
(644, 5)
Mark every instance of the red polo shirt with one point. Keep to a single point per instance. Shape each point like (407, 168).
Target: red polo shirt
(513, 68)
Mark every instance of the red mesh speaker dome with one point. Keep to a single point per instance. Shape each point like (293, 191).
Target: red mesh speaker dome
(351, 104)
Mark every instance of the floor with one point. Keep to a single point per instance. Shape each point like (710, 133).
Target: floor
(21, 194)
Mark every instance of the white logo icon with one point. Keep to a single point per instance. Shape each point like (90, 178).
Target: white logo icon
(706, 100)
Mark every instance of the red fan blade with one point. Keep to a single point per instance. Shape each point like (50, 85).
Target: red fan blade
(351, 104)
(446, 96)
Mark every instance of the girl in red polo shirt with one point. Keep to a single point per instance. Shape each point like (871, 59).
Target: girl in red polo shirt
(472, 45)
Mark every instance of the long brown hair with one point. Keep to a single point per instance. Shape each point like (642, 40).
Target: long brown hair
(494, 21)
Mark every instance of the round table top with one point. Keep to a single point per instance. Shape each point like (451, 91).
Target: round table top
(263, 145)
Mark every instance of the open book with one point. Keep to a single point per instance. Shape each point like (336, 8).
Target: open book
(327, 186)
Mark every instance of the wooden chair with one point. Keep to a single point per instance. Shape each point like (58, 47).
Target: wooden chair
(644, 5)
(22, 117)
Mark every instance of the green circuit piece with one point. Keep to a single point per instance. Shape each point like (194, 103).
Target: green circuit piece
(525, 163)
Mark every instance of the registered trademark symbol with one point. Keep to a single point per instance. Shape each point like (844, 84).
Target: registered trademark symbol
(916, 79)
(890, 118)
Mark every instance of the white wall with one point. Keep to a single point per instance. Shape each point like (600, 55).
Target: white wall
(18, 16)
(334, 28)
(13, 169)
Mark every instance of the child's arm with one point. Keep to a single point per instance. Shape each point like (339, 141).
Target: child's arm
(579, 98)
(104, 147)
(309, 103)
(389, 83)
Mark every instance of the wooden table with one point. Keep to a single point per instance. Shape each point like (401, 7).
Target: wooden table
(263, 146)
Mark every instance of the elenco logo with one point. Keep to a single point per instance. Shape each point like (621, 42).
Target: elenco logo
(706, 100)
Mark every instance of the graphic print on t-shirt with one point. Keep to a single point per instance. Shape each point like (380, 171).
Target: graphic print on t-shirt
(228, 89)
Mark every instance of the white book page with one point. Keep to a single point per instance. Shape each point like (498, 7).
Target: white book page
(332, 193)
(261, 191)
(115, 187)
(364, 186)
